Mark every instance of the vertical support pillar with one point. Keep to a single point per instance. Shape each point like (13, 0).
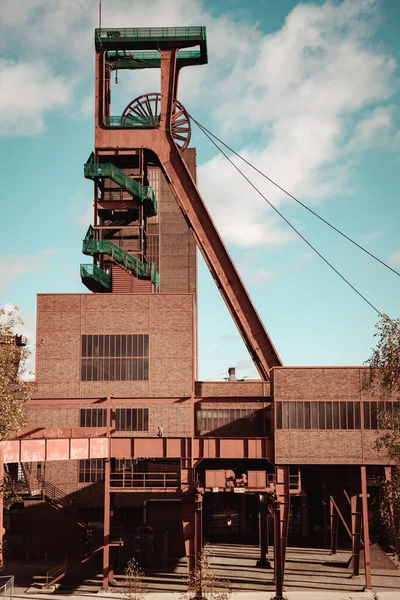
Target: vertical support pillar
(367, 554)
(263, 532)
(106, 543)
(278, 574)
(198, 533)
(168, 87)
(281, 527)
(355, 503)
(334, 525)
(325, 507)
(110, 423)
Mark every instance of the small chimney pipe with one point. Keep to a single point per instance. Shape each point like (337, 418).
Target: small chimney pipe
(232, 374)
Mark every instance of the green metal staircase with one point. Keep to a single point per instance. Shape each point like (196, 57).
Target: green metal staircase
(143, 194)
(95, 279)
(130, 263)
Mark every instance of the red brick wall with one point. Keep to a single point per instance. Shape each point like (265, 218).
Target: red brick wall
(325, 447)
(176, 419)
(206, 389)
(62, 319)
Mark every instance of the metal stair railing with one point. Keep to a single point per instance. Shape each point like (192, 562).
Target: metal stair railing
(59, 571)
(144, 194)
(97, 274)
(130, 263)
(33, 483)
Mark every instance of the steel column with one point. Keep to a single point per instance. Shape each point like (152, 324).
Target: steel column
(356, 532)
(263, 532)
(334, 525)
(278, 574)
(106, 549)
(367, 554)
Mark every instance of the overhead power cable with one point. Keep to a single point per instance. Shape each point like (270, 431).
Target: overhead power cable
(326, 261)
(310, 210)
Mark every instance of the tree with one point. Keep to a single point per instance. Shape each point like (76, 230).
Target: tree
(14, 392)
(204, 583)
(133, 581)
(385, 370)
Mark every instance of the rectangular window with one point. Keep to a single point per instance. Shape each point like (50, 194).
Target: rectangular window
(93, 417)
(336, 415)
(329, 420)
(367, 416)
(278, 415)
(232, 422)
(132, 419)
(292, 415)
(350, 415)
(91, 470)
(300, 415)
(307, 415)
(374, 415)
(314, 415)
(115, 358)
(320, 415)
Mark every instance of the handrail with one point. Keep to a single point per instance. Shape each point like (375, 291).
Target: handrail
(141, 270)
(129, 479)
(94, 272)
(151, 59)
(144, 194)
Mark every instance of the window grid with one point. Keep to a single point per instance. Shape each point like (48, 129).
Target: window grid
(318, 415)
(115, 357)
(371, 411)
(93, 417)
(132, 419)
(91, 470)
(208, 419)
(126, 419)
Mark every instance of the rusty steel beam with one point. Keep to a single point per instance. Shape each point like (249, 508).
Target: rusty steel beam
(356, 518)
(365, 522)
(334, 525)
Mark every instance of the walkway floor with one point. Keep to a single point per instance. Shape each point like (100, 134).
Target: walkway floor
(310, 573)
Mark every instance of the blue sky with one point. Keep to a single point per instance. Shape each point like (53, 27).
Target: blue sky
(307, 91)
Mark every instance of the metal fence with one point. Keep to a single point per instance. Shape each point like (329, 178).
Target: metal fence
(6, 586)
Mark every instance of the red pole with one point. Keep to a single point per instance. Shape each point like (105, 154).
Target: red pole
(367, 554)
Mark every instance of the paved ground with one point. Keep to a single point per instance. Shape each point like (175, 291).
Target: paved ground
(311, 574)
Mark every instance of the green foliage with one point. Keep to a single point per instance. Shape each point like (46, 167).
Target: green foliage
(133, 581)
(204, 583)
(14, 392)
(385, 358)
(385, 368)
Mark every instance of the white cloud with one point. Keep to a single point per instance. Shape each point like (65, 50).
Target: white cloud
(308, 93)
(373, 236)
(28, 90)
(311, 96)
(82, 208)
(13, 266)
(394, 259)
